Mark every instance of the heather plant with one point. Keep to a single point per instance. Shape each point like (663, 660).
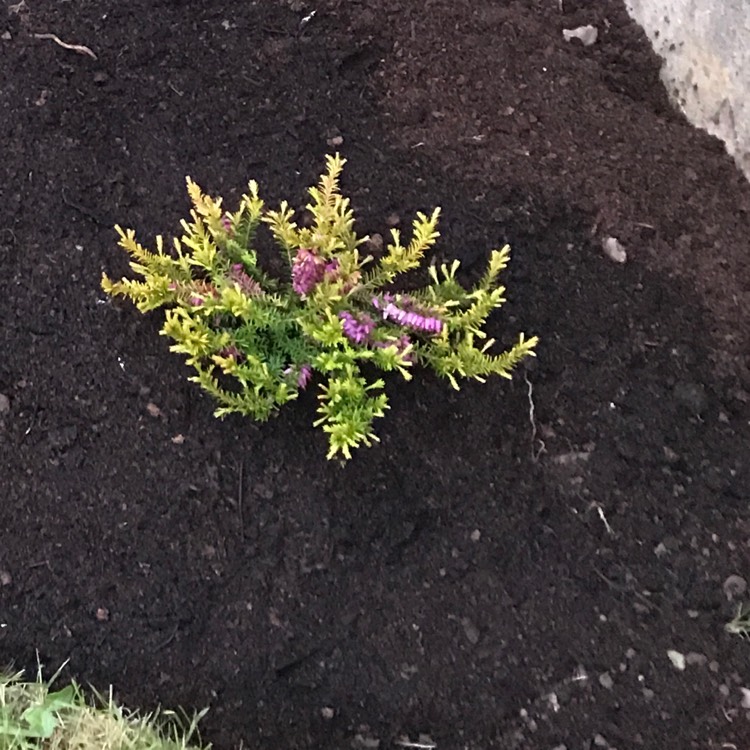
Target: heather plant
(255, 340)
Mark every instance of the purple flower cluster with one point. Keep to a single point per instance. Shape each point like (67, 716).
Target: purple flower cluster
(405, 316)
(248, 285)
(309, 269)
(358, 329)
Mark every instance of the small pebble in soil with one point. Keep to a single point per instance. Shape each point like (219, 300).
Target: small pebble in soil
(586, 34)
(102, 614)
(695, 659)
(327, 712)
(4, 404)
(153, 410)
(263, 491)
(692, 396)
(648, 694)
(375, 242)
(745, 702)
(671, 457)
(614, 250)
(365, 742)
(734, 587)
(393, 220)
(600, 741)
(5, 578)
(471, 631)
(476, 535)
(677, 659)
(606, 681)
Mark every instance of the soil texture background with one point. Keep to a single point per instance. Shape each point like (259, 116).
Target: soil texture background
(511, 565)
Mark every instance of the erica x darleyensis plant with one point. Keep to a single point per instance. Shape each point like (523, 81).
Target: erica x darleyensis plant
(255, 341)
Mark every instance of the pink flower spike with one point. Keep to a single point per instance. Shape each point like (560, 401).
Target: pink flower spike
(305, 373)
(227, 225)
(357, 330)
(231, 351)
(196, 301)
(248, 285)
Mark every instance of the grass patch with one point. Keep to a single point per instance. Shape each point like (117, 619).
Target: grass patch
(33, 716)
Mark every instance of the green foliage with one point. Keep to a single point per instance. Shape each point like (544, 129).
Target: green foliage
(32, 717)
(255, 341)
(38, 720)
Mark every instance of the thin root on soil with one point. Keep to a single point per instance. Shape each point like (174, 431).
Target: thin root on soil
(79, 48)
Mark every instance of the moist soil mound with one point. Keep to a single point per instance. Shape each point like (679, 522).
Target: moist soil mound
(509, 567)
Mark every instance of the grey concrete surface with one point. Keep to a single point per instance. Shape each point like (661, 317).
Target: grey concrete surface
(705, 45)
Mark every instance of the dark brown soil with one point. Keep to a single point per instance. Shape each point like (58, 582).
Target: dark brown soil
(474, 579)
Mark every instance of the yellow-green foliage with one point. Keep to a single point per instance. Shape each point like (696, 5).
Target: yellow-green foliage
(254, 341)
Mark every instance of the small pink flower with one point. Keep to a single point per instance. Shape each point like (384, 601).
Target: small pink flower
(227, 225)
(199, 290)
(303, 378)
